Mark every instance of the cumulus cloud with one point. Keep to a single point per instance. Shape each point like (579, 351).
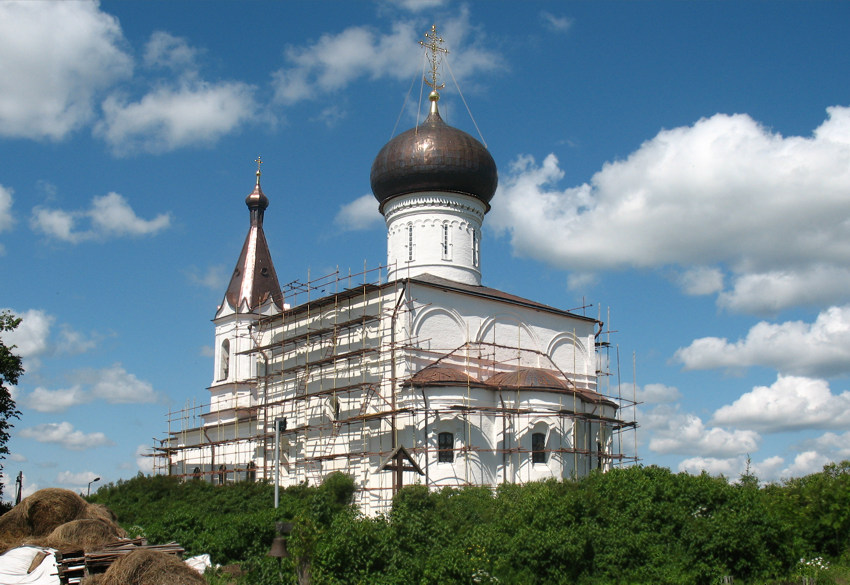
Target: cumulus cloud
(686, 434)
(701, 280)
(31, 337)
(724, 191)
(55, 58)
(335, 61)
(821, 348)
(113, 385)
(44, 400)
(806, 463)
(171, 52)
(360, 214)
(193, 113)
(6, 219)
(34, 338)
(64, 434)
(144, 461)
(791, 403)
(110, 216)
(729, 467)
(657, 393)
(69, 478)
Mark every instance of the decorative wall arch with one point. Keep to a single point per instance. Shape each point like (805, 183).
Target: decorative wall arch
(568, 353)
(507, 329)
(440, 325)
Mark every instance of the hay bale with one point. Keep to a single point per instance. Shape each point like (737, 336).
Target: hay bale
(87, 534)
(150, 567)
(40, 513)
(98, 512)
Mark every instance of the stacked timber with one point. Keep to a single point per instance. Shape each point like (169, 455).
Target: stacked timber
(74, 565)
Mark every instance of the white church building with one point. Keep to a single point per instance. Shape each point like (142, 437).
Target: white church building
(411, 373)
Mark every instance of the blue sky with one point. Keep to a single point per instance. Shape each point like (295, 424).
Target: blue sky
(684, 168)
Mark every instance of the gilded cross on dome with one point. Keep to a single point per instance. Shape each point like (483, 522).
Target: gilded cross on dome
(259, 161)
(435, 45)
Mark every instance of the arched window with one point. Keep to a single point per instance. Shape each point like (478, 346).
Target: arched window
(222, 475)
(475, 248)
(445, 447)
(445, 242)
(410, 242)
(196, 473)
(224, 360)
(538, 448)
(251, 472)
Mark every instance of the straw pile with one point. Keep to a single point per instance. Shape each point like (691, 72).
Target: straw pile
(148, 567)
(34, 520)
(87, 534)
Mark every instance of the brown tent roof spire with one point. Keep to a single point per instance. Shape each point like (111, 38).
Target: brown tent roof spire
(254, 279)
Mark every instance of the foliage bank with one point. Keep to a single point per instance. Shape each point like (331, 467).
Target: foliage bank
(632, 525)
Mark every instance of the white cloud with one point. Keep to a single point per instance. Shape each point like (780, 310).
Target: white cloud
(64, 434)
(360, 214)
(730, 468)
(806, 463)
(556, 23)
(821, 348)
(686, 434)
(657, 393)
(113, 385)
(6, 219)
(335, 61)
(734, 467)
(55, 57)
(195, 113)
(44, 400)
(69, 478)
(834, 446)
(769, 292)
(165, 50)
(116, 386)
(110, 216)
(32, 334)
(143, 460)
(17, 458)
(418, 5)
(214, 278)
(790, 403)
(701, 280)
(11, 487)
(725, 191)
(581, 280)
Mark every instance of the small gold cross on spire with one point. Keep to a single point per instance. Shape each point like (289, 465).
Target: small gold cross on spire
(259, 161)
(435, 45)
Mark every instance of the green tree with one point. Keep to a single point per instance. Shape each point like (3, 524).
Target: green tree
(10, 370)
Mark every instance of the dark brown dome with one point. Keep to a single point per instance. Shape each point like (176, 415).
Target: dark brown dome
(434, 157)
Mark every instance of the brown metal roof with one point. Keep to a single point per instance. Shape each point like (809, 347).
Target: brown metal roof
(437, 375)
(528, 378)
(254, 279)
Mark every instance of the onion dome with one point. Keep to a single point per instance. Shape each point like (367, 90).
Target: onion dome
(434, 157)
